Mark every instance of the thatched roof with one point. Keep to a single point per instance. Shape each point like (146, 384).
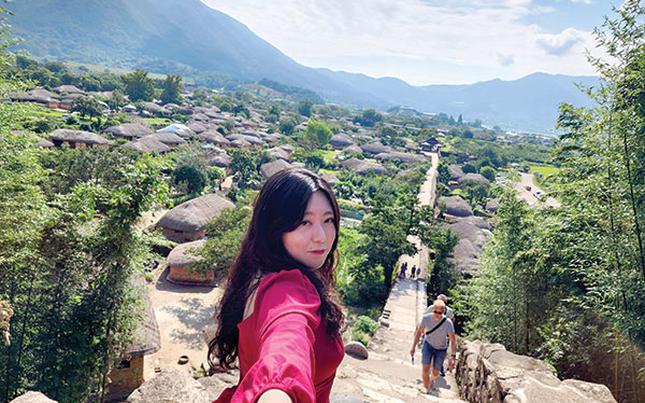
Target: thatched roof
(240, 143)
(195, 214)
(251, 133)
(271, 137)
(399, 156)
(146, 337)
(375, 148)
(69, 89)
(363, 167)
(222, 161)
(353, 149)
(271, 168)
(279, 153)
(197, 127)
(215, 137)
(148, 144)
(77, 136)
(455, 172)
(43, 143)
(473, 178)
(201, 117)
(185, 254)
(39, 95)
(167, 138)
(341, 140)
(178, 129)
(249, 139)
(129, 130)
(492, 205)
(156, 109)
(330, 178)
(456, 206)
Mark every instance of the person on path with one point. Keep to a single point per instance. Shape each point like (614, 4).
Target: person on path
(278, 316)
(438, 330)
(418, 272)
(404, 268)
(413, 271)
(450, 314)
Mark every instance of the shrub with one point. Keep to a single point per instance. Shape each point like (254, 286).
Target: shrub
(366, 325)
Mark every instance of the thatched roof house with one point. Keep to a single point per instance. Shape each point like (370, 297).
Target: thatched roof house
(271, 168)
(330, 178)
(76, 138)
(169, 139)
(69, 89)
(129, 131)
(197, 127)
(38, 95)
(353, 149)
(456, 206)
(155, 109)
(188, 221)
(250, 139)
(177, 128)
(214, 137)
(363, 167)
(181, 262)
(399, 156)
(127, 375)
(473, 178)
(279, 153)
(221, 160)
(455, 172)
(148, 144)
(375, 148)
(340, 141)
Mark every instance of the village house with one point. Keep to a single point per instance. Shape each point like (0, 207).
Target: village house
(188, 221)
(127, 374)
(129, 131)
(40, 96)
(76, 139)
(148, 144)
(181, 265)
(431, 145)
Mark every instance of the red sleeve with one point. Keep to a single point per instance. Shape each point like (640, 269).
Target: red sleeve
(286, 317)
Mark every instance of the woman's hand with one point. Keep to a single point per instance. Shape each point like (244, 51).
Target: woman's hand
(274, 396)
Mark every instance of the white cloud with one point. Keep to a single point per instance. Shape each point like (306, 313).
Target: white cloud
(561, 43)
(582, 1)
(420, 41)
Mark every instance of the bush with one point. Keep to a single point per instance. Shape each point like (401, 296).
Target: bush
(488, 173)
(469, 169)
(366, 325)
(357, 335)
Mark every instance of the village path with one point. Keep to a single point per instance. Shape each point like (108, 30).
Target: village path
(389, 375)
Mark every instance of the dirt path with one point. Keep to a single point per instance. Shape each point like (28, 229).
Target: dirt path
(184, 314)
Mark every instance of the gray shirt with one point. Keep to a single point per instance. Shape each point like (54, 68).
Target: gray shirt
(439, 338)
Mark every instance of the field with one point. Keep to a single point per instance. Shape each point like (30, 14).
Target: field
(545, 170)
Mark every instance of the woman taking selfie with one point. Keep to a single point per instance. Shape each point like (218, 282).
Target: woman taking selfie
(278, 316)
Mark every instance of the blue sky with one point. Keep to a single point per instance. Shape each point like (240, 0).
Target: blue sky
(429, 41)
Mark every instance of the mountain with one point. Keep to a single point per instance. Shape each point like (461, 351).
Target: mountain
(189, 37)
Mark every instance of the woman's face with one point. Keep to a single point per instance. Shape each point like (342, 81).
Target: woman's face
(311, 241)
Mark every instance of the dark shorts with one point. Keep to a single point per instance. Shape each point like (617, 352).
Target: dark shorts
(432, 354)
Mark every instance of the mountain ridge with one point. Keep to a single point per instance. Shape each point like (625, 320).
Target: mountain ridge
(155, 35)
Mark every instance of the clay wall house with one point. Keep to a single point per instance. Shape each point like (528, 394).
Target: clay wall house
(431, 145)
(129, 131)
(340, 141)
(188, 221)
(69, 89)
(181, 265)
(214, 137)
(127, 374)
(77, 139)
(375, 148)
(39, 96)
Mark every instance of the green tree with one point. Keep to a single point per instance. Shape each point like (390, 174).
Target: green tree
(138, 86)
(190, 177)
(368, 118)
(226, 233)
(488, 173)
(87, 106)
(305, 107)
(171, 89)
(316, 136)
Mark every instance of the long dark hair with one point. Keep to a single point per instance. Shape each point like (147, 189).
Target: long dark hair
(278, 208)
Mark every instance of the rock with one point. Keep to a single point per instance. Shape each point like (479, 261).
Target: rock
(357, 350)
(33, 397)
(171, 386)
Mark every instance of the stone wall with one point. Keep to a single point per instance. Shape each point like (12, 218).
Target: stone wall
(488, 373)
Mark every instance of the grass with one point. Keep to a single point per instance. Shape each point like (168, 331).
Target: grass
(545, 170)
(329, 156)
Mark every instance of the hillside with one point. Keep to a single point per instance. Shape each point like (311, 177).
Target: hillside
(155, 35)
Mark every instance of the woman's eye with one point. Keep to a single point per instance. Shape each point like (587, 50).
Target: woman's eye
(304, 223)
(329, 220)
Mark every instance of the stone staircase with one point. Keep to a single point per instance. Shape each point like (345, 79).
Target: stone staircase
(389, 375)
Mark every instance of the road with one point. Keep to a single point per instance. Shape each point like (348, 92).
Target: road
(525, 183)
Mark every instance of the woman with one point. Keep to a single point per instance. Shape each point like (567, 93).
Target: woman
(277, 315)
